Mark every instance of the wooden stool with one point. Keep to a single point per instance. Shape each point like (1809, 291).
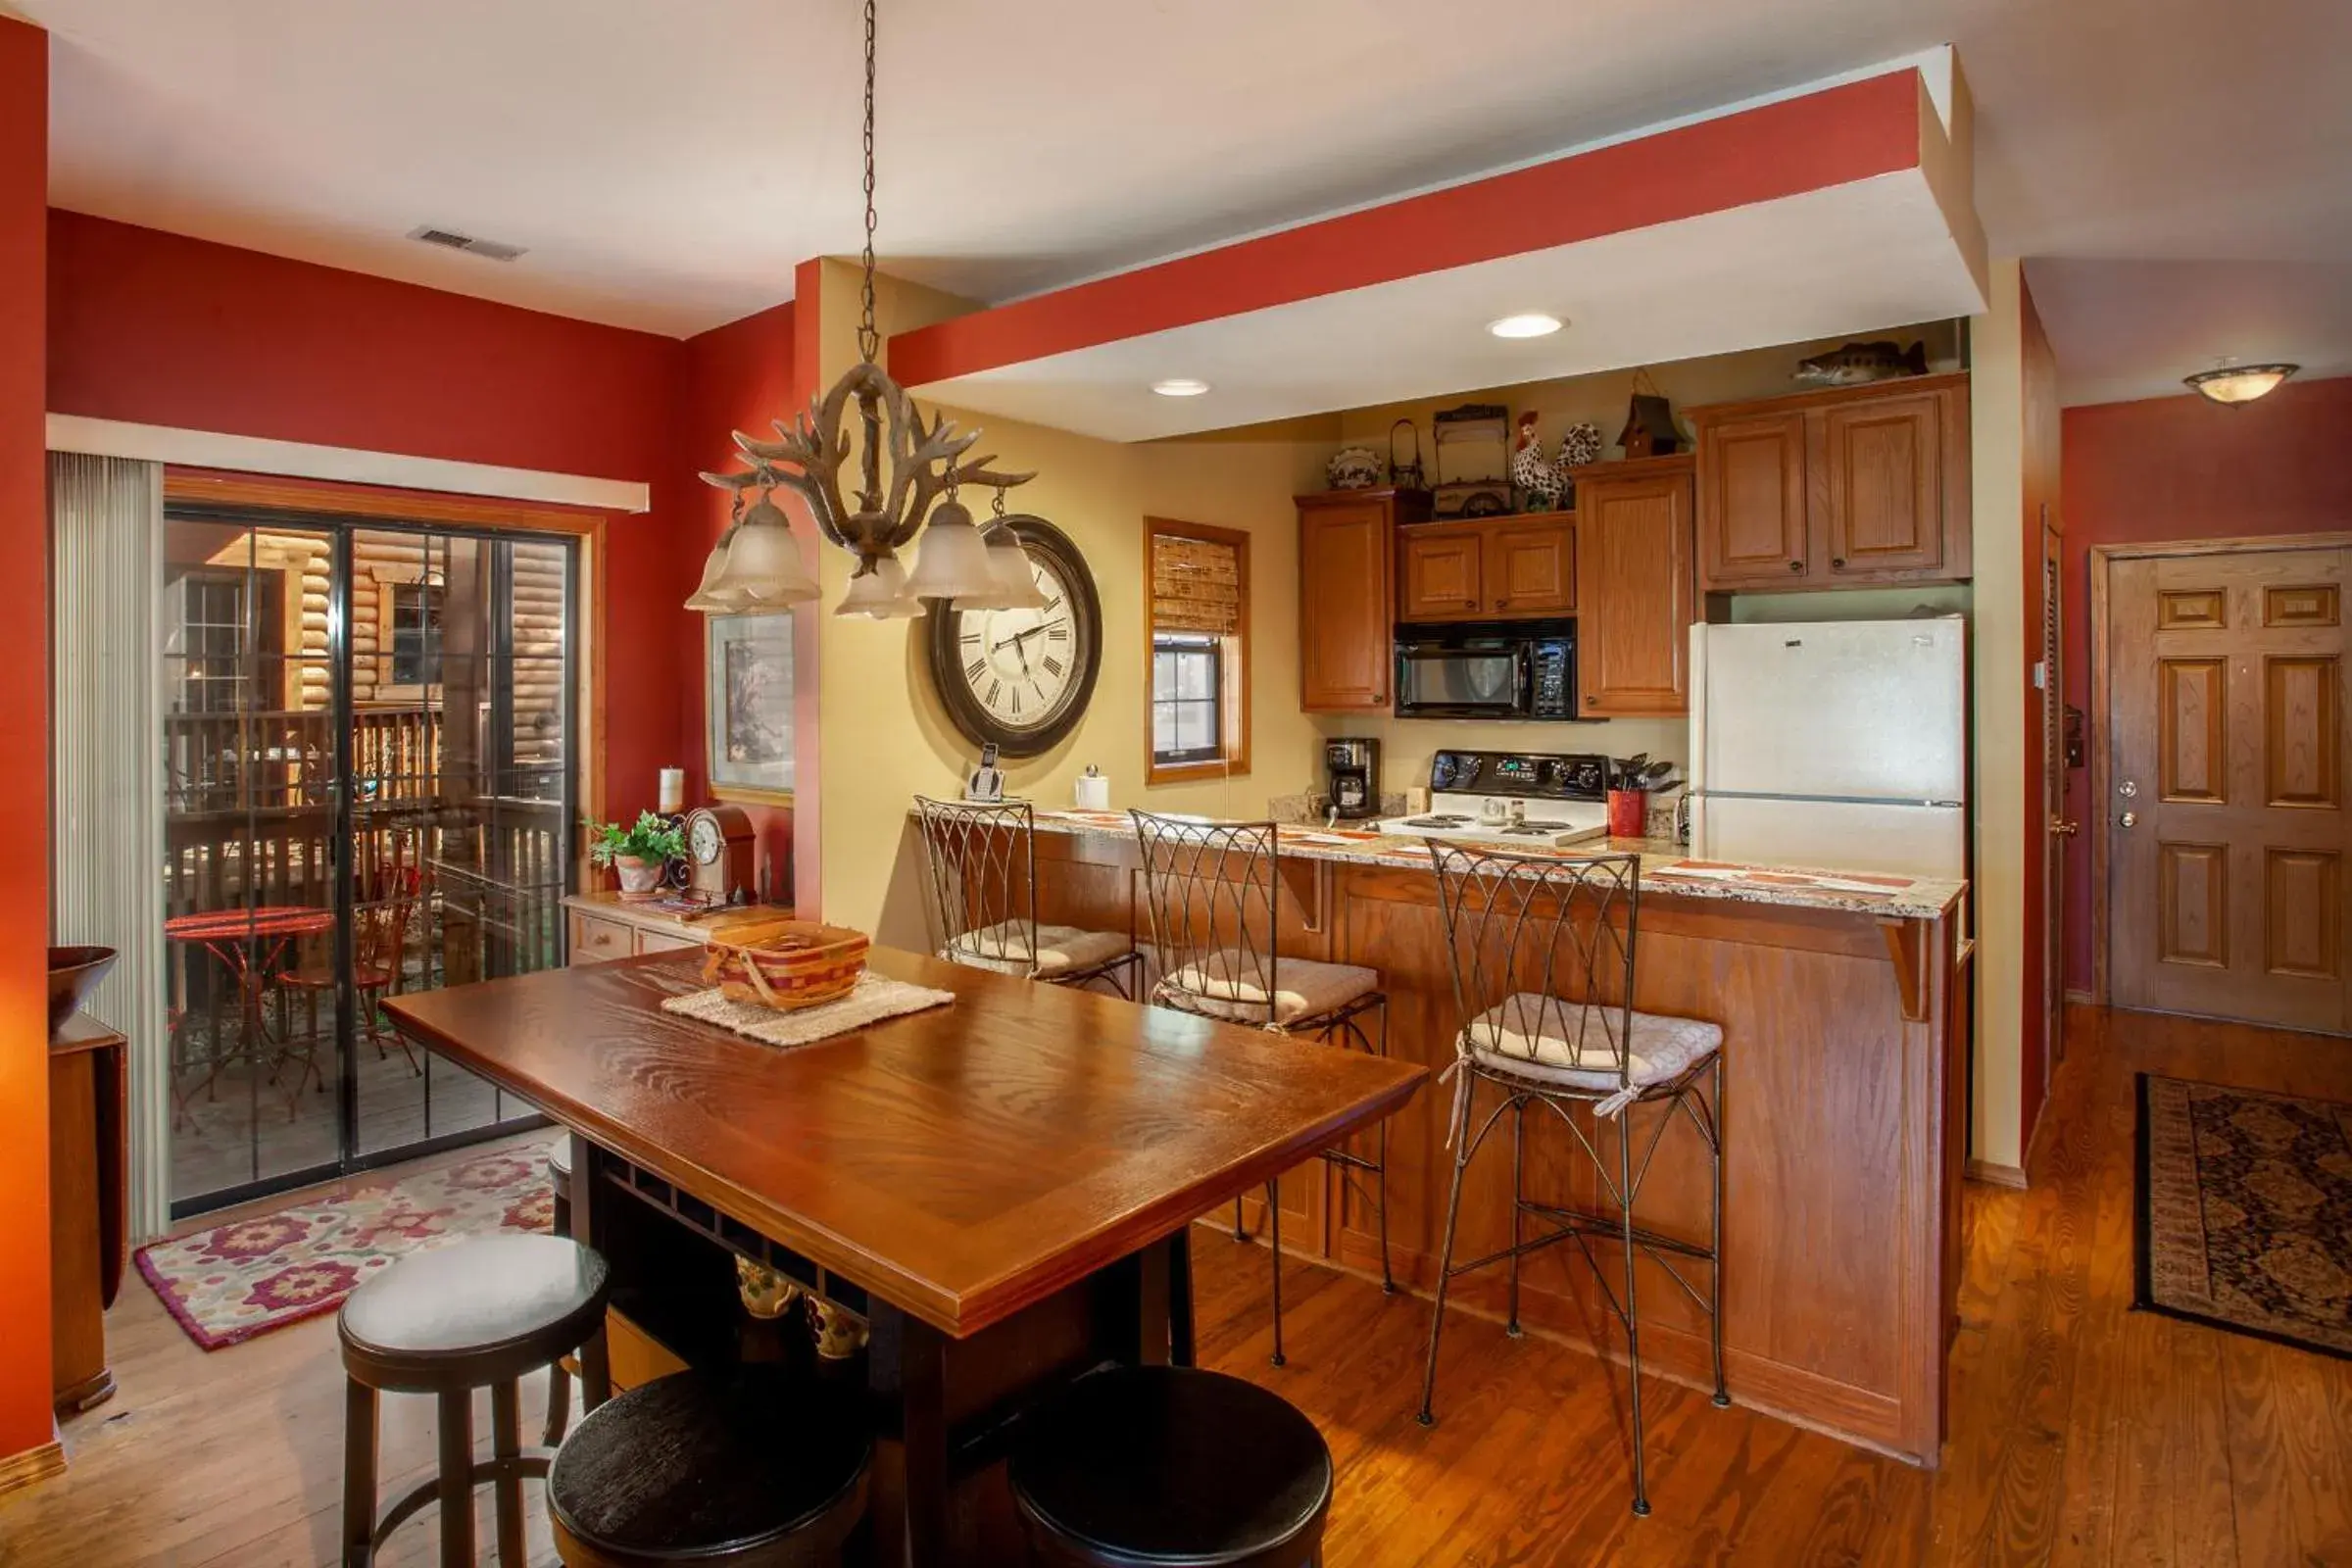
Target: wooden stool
(476, 1314)
(559, 1377)
(750, 1468)
(1154, 1464)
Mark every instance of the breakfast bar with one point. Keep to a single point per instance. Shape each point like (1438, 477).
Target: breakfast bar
(999, 1188)
(1841, 998)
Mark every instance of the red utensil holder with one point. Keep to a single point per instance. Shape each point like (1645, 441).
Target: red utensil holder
(1629, 813)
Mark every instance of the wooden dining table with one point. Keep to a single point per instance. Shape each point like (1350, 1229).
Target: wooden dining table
(1000, 1188)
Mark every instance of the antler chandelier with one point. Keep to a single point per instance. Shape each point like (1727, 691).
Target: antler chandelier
(756, 564)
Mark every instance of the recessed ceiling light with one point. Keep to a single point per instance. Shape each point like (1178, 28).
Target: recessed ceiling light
(2241, 383)
(1530, 324)
(1180, 386)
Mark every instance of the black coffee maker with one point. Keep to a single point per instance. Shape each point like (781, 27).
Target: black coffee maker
(1352, 778)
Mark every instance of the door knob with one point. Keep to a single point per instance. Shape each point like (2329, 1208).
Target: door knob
(2128, 820)
(2063, 828)
(1797, 565)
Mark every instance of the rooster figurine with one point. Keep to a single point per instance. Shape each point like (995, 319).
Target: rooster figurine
(1538, 477)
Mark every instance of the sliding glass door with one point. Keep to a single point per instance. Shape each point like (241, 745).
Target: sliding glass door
(370, 755)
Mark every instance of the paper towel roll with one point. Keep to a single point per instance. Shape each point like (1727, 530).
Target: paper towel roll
(1094, 793)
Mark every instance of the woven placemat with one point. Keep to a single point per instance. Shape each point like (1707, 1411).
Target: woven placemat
(872, 999)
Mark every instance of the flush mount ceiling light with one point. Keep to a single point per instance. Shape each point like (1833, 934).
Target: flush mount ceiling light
(2239, 383)
(1529, 324)
(1180, 386)
(905, 465)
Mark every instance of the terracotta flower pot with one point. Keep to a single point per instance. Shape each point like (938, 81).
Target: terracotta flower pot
(639, 878)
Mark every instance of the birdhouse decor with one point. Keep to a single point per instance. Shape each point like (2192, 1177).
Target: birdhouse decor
(1649, 428)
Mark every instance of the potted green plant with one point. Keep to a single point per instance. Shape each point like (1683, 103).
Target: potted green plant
(638, 851)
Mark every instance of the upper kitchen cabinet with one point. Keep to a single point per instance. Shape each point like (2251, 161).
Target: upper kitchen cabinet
(1347, 595)
(1497, 568)
(1637, 587)
(1850, 486)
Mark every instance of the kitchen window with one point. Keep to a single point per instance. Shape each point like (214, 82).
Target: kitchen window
(1198, 678)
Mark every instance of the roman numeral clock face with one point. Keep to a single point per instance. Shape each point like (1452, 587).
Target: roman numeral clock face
(1022, 678)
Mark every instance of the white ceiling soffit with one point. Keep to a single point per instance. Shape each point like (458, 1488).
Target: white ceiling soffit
(668, 165)
(2132, 329)
(1848, 259)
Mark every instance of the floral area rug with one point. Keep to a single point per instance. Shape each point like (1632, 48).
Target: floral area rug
(226, 1285)
(2245, 1211)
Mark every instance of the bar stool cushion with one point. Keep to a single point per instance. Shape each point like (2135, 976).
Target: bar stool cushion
(1060, 949)
(1230, 985)
(491, 1308)
(1172, 1465)
(701, 1466)
(1531, 1035)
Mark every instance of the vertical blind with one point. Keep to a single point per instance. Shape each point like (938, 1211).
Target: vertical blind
(106, 790)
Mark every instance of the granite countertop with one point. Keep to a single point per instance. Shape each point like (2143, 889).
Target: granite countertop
(1667, 867)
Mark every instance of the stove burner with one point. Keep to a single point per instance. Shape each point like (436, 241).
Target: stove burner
(1447, 820)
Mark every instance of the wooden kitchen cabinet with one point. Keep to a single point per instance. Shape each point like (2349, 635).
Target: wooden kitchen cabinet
(1636, 590)
(1497, 568)
(1442, 574)
(1851, 486)
(1347, 596)
(604, 926)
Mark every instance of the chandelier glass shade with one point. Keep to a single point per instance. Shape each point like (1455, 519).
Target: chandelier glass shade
(901, 466)
(755, 566)
(1016, 585)
(880, 594)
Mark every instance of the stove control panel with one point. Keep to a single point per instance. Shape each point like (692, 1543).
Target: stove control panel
(1531, 775)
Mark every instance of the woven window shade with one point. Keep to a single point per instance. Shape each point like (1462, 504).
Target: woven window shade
(1196, 586)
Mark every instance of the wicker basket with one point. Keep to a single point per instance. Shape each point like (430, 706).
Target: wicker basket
(797, 964)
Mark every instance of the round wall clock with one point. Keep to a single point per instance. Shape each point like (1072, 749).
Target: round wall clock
(1022, 678)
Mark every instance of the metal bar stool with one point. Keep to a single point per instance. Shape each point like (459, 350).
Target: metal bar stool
(1135, 1466)
(749, 1468)
(1213, 889)
(1543, 957)
(982, 860)
(476, 1314)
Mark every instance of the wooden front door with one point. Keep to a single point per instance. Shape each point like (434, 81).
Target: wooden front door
(2225, 813)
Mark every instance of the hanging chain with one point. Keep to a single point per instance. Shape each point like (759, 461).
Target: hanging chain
(870, 341)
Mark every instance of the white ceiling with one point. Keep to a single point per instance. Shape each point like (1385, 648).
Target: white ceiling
(668, 163)
(2132, 329)
(1847, 259)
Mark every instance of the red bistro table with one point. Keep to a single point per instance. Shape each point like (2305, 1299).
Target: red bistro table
(248, 942)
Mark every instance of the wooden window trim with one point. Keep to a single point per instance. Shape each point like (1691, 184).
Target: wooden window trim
(1233, 699)
(265, 492)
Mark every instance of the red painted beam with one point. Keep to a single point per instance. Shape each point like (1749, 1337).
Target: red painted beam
(1824, 139)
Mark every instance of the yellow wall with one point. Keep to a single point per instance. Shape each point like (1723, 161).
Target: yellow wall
(1998, 415)
(886, 735)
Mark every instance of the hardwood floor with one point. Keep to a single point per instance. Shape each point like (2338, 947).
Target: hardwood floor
(2083, 1433)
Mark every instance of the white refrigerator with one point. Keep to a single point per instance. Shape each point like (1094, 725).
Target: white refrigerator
(1838, 745)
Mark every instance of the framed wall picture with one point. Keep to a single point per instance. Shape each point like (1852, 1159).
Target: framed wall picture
(747, 706)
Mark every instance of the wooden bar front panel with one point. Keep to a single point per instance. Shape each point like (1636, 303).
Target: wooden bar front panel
(1840, 1137)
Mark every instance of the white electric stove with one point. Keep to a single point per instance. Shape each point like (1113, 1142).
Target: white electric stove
(1511, 799)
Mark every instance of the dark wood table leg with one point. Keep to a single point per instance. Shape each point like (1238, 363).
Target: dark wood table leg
(907, 1368)
(1179, 1299)
(1155, 1301)
(592, 1199)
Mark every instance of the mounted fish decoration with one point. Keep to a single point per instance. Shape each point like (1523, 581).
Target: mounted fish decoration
(1859, 363)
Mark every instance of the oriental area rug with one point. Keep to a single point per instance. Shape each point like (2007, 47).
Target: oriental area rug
(226, 1285)
(2245, 1211)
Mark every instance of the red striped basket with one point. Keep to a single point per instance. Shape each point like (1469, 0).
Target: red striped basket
(797, 964)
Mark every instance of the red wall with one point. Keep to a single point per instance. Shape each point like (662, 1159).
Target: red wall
(737, 378)
(156, 329)
(2183, 467)
(23, 746)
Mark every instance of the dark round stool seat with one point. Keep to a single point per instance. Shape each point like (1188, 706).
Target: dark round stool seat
(475, 1312)
(1143, 1465)
(747, 1468)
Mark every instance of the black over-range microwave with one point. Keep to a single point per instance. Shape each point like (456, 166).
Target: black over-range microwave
(1517, 669)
